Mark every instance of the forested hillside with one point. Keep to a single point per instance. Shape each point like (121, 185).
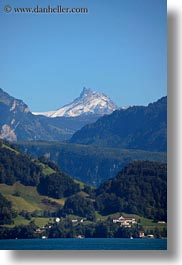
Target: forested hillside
(138, 127)
(36, 190)
(140, 188)
(45, 176)
(90, 164)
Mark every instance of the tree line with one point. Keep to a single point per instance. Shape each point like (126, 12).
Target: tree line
(66, 229)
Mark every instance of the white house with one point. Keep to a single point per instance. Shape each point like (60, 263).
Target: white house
(141, 234)
(119, 220)
(57, 220)
(125, 221)
(150, 236)
(161, 222)
(74, 220)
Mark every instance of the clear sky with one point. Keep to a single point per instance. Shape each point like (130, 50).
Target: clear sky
(118, 48)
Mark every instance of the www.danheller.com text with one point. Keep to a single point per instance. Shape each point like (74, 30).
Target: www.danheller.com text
(59, 9)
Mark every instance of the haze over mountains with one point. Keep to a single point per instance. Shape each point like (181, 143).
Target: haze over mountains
(88, 163)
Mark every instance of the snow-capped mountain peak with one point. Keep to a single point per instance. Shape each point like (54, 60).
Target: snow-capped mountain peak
(89, 102)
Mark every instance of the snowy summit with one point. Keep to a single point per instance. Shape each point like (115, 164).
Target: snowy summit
(89, 102)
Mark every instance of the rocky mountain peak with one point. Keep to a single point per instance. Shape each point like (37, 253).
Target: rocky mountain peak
(12, 103)
(89, 102)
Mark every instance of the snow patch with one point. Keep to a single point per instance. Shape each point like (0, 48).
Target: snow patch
(13, 105)
(89, 102)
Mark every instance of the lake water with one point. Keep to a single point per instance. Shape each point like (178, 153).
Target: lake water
(84, 244)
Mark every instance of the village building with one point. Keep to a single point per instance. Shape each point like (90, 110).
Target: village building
(141, 234)
(57, 220)
(161, 222)
(150, 236)
(125, 221)
(74, 220)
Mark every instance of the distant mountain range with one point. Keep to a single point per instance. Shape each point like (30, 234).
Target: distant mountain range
(83, 121)
(136, 127)
(88, 103)
(17, 123)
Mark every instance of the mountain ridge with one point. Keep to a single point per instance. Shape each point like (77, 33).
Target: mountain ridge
(136, 127)
(17, 123)
(88, 103)
(13, 103)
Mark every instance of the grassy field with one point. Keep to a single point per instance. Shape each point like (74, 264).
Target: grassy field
(45, 168)
(9, 148)
(39, 221)
(27, 198)
(20, 204)
(80, 183)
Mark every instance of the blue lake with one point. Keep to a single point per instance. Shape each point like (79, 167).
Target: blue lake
(84, 244)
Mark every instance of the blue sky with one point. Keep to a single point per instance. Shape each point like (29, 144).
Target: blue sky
(118, 48)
